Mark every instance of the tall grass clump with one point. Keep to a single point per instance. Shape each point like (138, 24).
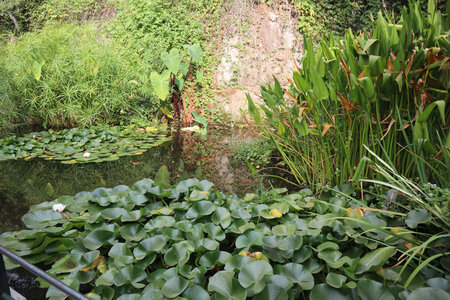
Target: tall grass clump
(66, 76)
(387, 89)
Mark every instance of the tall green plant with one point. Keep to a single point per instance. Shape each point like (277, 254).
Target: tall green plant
(63, 76)
(387, 90)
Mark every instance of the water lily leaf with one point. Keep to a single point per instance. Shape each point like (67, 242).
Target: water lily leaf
(279, 280)
(335, 280)
(439, 283)
(272, 292)
(211, 259)
(195, 292)
(428, 293)
(98, 238)
(201, 208)
(375, 258)
(221, 216)
(238, 262)
(283, 229)
(131, 216)
(132, 232)
(206, 244)
(159, 222)
(298, 274)
(416, 217)
(250, 238)
(106, 278)
(325, 292)
(327, 245)
(174, 286)
(254, 272)
(66, 264)
(130, 275)
(42, 218)
(373, 290)
(176, 256)
(224, 283)
(152, 244)
(214, 232)
(197, 195)
(113, 213)
(120, 250)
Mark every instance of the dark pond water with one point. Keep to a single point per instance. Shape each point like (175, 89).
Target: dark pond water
(24, 183)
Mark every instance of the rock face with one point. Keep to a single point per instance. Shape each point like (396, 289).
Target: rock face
(265, 43)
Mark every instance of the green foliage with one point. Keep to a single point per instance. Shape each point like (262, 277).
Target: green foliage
(256, 152)
(66, 11)
(15, 15)
(152, 27)
(366, 90)
(66, 76)
(96, 144)
(151, 241)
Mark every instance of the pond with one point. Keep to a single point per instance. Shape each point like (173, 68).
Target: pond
(24, 183)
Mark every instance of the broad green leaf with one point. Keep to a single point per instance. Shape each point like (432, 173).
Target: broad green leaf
(335, 280)
(298, 274)
(416, 217)
(195, 292)
(428, 293)
(160, 83)
(372, 290)
(42, 218)
(272, 292)
(132, 232)
(98, 238)
(250, 238)
(325, 292)
(221, 216)
(254, 273)
(319, 87)
(172, 60)
(176, 256)
(201, 208)
(130, 275)
(375, 258)
(195, 51)
(224, 283)
(174, 286)
(162, 178)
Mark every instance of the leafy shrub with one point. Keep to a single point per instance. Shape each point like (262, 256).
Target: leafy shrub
(15, 15)
(154, 26)
(256, 152)
(66, 11)
(366, 90)
(189, 240)
(66, 76)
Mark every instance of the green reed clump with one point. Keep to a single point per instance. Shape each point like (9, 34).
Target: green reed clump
(387, 90)
(66, 76)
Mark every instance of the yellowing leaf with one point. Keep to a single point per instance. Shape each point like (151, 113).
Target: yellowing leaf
(275, 213)
(138, 153)
(326, 127)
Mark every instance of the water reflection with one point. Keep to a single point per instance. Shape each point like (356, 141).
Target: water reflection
(25, 183)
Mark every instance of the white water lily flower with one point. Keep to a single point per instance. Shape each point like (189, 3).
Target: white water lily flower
(59, 207)
(86, 154)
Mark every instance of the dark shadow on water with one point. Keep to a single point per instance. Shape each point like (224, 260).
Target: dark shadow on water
(24, 183)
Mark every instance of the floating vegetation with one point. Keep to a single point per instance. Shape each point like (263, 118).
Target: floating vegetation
(157, 241)
(77, 145)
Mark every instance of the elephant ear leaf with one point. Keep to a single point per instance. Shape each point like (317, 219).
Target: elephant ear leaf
(195, 51)
(160, 83)
(172, 60)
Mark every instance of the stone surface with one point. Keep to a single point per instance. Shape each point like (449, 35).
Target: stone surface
(264, 44)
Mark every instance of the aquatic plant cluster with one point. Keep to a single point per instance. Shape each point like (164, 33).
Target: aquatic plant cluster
(194, 242)
(70, 146)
